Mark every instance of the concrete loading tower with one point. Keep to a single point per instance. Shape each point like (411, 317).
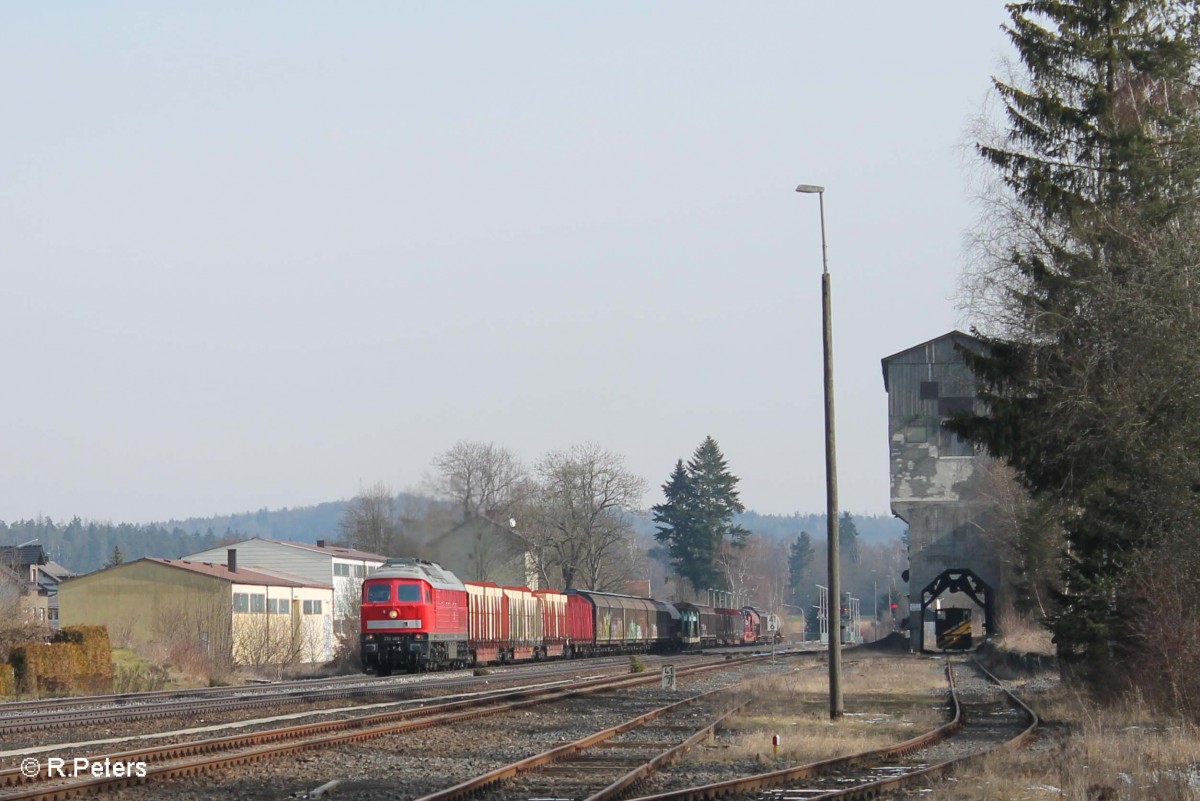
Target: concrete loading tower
(953, 572)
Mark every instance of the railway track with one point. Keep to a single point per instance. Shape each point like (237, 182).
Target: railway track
(187, 759)
(605, 764)
(976, 728)
(34, 716)
(157, 696)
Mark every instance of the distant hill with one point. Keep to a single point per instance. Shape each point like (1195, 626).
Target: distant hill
(321, 522)
(302, 524)
(871, 528)
(84, 547)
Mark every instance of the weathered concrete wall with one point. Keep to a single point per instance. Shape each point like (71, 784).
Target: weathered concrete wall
(934, 474)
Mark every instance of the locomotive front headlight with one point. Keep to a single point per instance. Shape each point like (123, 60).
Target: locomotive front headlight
(393, 614)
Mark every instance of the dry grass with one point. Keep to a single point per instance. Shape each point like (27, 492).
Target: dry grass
(905, 696)
(1023, 636)
(1115, 754)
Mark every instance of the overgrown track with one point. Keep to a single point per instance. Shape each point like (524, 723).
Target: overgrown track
(188, 759)
(868, 774)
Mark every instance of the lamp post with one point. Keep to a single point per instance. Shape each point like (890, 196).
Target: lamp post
(836, 706)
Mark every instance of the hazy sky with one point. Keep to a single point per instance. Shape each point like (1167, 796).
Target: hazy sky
(252, 256)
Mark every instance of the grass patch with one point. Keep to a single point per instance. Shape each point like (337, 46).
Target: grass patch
(132, 674)
(1024, 636)
(1087, 752)
(905, 697)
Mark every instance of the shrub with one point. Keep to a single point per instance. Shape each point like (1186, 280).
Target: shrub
(139, 679)
(95, 667)
(42, 668)
(348, 656)
(78, 661)
(635, 665)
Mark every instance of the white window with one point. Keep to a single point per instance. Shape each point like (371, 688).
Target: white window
(341, 569)
(312, 607)
(241, 602)
(278, 606)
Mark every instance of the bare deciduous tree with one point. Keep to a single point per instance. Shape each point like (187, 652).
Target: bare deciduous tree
(195, 635)
(579, 525)
(756, 573)
(274, 643)
(484, 480)
(371, 521)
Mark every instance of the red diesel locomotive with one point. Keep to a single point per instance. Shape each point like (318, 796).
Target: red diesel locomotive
(418, 616)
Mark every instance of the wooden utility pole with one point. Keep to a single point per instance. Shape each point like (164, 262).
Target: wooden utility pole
(836, 704)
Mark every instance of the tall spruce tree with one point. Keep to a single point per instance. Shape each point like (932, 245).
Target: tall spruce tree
(848, 538)
(800, 559)
(696, 518)
(1088, 354)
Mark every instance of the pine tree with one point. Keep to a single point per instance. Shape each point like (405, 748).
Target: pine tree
(697, 517)
(800, 559)
(1101, 162)
(116, 557)
(678, 528)
(716, 493)
(848, 538)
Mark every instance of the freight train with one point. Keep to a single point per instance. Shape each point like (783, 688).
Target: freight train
(417, 616)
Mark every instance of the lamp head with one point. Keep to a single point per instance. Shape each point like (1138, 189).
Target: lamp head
(810, 189)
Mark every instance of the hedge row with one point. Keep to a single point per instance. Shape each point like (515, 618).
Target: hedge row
(8, 681)
(79, 661)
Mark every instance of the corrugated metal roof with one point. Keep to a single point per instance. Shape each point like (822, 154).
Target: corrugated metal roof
(240, 576)
(328, 550)
(336, 550)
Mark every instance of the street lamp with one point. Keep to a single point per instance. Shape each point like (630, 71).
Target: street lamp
(836, 705)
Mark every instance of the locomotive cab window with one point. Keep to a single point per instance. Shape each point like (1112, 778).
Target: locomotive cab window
(379, 593)
(408, 592)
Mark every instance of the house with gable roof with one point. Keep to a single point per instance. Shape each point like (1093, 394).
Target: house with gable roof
(255, 616)
(339, 567)
(20, 583)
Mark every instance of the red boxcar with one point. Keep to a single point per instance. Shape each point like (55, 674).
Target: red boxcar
(524, 623)
(555, 630)
(488, 622)
(581, 624)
